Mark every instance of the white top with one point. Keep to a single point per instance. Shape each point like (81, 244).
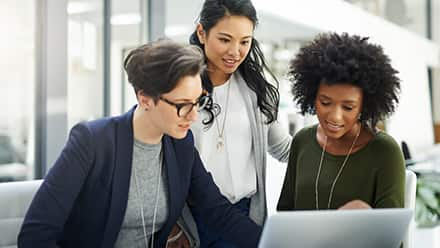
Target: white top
(233, 165)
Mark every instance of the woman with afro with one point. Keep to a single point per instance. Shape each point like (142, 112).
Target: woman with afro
(345, 161)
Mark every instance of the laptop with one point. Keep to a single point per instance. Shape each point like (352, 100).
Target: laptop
(372, 228)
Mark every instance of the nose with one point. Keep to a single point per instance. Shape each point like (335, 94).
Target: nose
(193, 114)
(234, 49)
(336, 115)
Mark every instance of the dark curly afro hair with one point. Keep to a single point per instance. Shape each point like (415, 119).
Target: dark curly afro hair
(334, 59)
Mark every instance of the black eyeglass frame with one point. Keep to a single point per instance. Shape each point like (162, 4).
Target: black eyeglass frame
(201, 102)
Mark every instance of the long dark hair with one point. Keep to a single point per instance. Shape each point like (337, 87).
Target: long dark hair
(253, 66)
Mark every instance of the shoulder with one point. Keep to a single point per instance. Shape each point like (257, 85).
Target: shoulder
(95, 127)
(184, 143)
(113, 124)
(103, 123)
(243, 87)
(384, 143)
(306, 133)
(237, 77)
(303, 138)
(386, 151)
(103, 131)
(122, 123)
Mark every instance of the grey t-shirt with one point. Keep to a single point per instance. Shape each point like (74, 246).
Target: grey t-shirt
(147, 160)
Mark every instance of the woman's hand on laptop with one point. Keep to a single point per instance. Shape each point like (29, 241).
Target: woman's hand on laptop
(355, 204)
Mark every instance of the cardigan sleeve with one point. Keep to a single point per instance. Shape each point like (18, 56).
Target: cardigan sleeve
(279, 141)
(50, 208)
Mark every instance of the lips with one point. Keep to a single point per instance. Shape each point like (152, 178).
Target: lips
(333, 127)
(230, 62)
(185, 126)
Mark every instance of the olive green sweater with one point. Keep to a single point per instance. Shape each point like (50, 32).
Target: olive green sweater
(374, 174)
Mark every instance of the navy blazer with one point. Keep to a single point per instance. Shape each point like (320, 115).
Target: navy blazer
(83, 198)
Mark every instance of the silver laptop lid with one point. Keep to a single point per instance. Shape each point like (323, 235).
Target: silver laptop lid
(336, 228)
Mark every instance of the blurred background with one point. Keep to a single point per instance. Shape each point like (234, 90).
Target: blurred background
(62, 63)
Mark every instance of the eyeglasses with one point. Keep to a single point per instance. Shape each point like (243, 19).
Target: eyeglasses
(183, 109)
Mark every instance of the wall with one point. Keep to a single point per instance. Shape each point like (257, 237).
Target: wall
(436, 71)
(410, 55)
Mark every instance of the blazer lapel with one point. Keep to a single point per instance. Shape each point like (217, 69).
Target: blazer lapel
(121, 178)
(174, 182)
(171, 165)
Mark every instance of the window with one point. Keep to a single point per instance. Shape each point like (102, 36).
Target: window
(17, 84)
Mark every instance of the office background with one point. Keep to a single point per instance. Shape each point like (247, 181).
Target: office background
(62, 64)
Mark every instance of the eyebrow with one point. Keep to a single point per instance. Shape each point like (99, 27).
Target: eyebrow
(344, 101)
(186, 100)
(230, 36)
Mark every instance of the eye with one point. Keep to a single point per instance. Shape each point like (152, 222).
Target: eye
(224, 40)
(325, 103)
(181, 105)
(245, 42)
(348, 108)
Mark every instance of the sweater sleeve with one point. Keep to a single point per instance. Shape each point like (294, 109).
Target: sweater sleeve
(287, 195)
(390, 186)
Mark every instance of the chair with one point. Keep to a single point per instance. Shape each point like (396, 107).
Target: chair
(410, 202)
(15, 198)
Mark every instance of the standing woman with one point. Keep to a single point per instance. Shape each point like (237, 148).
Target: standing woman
(344, 161)
(234, 148)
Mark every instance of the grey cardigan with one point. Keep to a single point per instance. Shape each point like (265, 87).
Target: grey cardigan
(270, 138)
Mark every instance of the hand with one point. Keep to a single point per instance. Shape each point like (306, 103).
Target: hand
(177, 239)
(355, 204)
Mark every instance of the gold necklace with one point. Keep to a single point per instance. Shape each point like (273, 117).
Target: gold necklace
(337, 175)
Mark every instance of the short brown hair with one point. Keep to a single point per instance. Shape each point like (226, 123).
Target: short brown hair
(156, 67)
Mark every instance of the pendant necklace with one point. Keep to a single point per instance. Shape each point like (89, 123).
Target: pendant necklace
(220, 131)
(337, 175)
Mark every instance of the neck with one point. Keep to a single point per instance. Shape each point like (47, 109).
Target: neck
(144, 129)
(218, 77)
(339, 146)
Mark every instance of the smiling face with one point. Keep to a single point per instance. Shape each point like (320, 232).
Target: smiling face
(338, 107)
(226, 45)
(163, 116)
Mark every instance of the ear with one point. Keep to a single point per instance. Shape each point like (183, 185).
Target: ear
(201, 33)
(145, 102)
